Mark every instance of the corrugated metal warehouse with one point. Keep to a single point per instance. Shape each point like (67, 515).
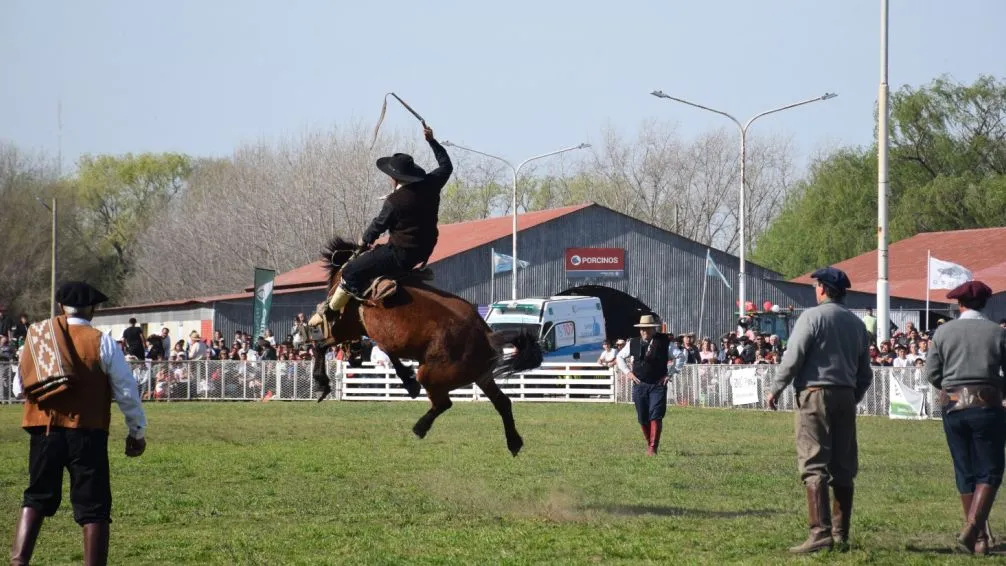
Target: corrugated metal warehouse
(632, 266)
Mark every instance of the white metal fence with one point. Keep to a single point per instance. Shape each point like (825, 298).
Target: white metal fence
(710, 386)
(696, 385)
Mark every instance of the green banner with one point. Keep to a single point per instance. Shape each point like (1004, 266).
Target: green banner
(262, 301)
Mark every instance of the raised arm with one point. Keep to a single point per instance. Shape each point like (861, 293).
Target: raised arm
(444, 165)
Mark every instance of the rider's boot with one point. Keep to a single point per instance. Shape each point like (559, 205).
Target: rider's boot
(335, 304)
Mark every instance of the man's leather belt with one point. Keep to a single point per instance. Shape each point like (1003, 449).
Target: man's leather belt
(967, 397)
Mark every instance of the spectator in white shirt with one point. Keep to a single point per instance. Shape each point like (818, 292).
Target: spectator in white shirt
(902, 360)
(607, 358)
(197, 349)
(379, 358)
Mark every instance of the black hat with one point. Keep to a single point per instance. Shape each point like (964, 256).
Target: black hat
(401, 167)
(832, 277)
(79, 294)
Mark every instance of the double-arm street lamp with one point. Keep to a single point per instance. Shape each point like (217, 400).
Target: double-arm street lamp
(516, 172)
(743, 131)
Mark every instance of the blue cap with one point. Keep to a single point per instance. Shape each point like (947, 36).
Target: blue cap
(832, 277)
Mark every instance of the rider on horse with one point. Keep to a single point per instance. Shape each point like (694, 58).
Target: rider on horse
(409, 215)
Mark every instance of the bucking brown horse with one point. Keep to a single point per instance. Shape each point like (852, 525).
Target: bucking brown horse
(444, 333)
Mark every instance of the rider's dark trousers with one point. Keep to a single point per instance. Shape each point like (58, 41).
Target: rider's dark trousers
(359, 273)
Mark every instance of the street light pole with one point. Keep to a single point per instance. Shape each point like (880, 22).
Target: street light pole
(743, 128)
(52, 266)
(883, 285)
(516, 174)
(52, 276)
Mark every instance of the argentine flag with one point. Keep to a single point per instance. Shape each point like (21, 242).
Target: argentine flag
(503, 263)
(712, 270)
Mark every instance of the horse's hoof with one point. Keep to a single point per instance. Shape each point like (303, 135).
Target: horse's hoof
(324, 393)
(515, 446)
(414, 389)
(419, 431)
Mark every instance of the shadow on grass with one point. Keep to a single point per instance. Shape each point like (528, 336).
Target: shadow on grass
(639, 510)
(997, 550)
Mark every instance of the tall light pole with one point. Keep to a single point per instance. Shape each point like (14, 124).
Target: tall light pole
(883, 290)
(516, 172)
(52, 276)
(743, 131)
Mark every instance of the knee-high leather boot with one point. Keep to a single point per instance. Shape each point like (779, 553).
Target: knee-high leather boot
(841, 516)
(818, 519)
(29, 523)
(656, 427)
(978, 514)
(646, 434)
(95, 544)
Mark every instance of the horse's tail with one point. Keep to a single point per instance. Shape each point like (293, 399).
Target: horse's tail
(527, 354)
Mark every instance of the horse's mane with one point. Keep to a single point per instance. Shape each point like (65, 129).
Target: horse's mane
(335, 254)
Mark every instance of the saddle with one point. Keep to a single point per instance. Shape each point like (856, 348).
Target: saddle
(385, 287)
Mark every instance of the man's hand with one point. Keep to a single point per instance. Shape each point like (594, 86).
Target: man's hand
(428, 133)
(135, 446)
(664, 380)
(633, 377)
(773, 403)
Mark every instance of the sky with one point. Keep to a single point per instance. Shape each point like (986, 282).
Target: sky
(515, 78)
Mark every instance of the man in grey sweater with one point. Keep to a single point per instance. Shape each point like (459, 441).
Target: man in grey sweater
(828, 362)
(964, 363)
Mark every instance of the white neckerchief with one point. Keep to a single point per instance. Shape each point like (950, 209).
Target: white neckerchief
(397, 186)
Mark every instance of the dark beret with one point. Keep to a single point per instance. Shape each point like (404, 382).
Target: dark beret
(79, 294)
(832, 277)
(971, 291)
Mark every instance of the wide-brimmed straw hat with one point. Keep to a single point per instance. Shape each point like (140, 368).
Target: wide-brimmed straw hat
(648, 321)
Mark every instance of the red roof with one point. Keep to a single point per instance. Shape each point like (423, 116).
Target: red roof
(979, 250)
(197, 301)
(454, 239)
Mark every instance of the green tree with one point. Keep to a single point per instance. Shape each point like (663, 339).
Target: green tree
(947, 171)
(824, 220)
(28, 183)
(121, 194)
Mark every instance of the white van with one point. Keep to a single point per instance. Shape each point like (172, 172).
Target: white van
(570, 328)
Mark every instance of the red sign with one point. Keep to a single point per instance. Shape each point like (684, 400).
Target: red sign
(595, 262)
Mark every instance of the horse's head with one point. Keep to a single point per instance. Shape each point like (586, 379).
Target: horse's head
(336, 254)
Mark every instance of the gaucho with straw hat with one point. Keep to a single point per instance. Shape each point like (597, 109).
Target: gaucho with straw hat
(647, 355)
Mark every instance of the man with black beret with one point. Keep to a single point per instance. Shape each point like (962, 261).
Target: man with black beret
(964, 363)
(828, 362)
(409, 215)
(70, 373)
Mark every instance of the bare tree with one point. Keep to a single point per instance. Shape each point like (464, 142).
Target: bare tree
(265, 206)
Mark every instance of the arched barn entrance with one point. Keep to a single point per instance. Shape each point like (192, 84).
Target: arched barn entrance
(621, 311)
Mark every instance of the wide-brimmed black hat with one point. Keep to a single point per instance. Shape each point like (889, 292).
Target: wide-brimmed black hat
(79, 294)
(402, 167)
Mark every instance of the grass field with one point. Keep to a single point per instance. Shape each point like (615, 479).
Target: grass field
(347, 483)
